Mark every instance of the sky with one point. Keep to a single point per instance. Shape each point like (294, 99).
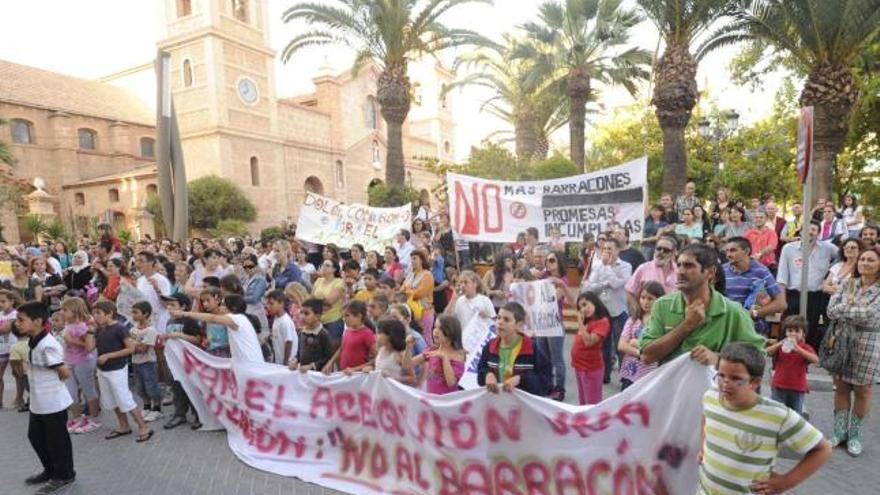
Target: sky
(92, 38)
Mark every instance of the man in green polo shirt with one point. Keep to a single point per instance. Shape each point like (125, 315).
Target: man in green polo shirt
(696, 318)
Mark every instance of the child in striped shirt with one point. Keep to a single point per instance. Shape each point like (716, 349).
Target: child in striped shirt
(742, 431)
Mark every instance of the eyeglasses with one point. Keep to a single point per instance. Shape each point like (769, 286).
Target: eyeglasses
(551, 260)
(249, 267)
(662, 249)
(736, 382)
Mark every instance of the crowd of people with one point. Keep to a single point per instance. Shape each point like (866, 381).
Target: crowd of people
(717, 280)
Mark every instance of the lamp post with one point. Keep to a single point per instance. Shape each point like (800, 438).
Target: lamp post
(725, 126)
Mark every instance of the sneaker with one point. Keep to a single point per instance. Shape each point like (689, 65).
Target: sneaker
(157, 415)
(88, 426)
(37, 479)
(73, 424)
(54, 485)
(148, 416)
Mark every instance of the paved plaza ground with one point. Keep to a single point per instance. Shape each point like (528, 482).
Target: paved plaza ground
(184, 462)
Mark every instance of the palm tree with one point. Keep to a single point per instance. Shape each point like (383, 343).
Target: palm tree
(388, 33)
(824, 39)
(533, 112)
(680, 23)
(578, 41)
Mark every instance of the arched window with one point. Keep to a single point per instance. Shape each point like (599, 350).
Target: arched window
(447, 147)
(148, 147)
(187, 73)
(88, 139)
(240, 10)
(377, 158)
(152, 189)
(22, 132)
(340, 174)
(79, 199)
(372, 113)
(114, 195)
(314, 185)
(184, 8)
(255, 171)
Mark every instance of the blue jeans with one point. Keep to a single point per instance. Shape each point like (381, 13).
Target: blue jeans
(555, 347)
(791, 398)
(609, 347)
(146, 382)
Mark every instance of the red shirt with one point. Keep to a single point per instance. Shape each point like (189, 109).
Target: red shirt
(791, 369)
(590, 358)
(763, 238)
(356, 346)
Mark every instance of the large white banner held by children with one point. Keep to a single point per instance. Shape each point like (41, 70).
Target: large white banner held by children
(324, 220)
(488, 210)
(366, 434)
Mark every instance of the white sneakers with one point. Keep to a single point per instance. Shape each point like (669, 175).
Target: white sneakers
(82, 424)
(151, 416)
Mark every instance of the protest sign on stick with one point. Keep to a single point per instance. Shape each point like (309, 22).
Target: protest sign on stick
(475, 336)
(540, 301)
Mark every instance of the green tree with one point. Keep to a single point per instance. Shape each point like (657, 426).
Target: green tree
(824, 39)
(6, 156)
(388, 33)
(212, 199)
(533, 112)
(577, 43)
(680, 23)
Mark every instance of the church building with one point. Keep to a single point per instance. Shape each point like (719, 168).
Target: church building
(90, 144)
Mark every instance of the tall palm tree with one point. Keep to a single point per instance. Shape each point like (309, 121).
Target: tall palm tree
(680, 23)
(388, 33)
(824, 39)
(576, 42)
(533, 112)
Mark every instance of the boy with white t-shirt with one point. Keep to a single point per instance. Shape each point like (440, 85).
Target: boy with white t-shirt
(285, 343)
(49, 400)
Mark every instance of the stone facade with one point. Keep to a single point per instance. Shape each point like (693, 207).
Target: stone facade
(232, 124)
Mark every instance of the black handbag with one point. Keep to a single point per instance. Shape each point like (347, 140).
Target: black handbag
(835, 352)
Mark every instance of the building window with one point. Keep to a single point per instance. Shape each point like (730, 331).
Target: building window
(377, 158)
(22, 132)
(79, 199)
(239, 10)
(114, 195)
(187, 73)
(255, 171)
(447, 147)
(340, 174)
(148, 147)
(152, 189)
(184, 8)
(88, 139)
(443, 96)
(417, 93)
(372, 113)
(314, 185)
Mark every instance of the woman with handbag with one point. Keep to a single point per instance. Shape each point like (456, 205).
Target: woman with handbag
(854, 312)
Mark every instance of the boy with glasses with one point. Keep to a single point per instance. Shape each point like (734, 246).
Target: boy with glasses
(742, 431)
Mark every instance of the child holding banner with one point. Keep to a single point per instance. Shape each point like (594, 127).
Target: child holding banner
(445, 359)
(512, 360)
(357, 349)
(315, 345)
(586, 353)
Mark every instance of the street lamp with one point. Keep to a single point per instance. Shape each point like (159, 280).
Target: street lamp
(725, 126)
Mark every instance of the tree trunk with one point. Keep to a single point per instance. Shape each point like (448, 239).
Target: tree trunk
(393, 95)
(831, 91)
(578, 90)
(526, 139)
(675, 95)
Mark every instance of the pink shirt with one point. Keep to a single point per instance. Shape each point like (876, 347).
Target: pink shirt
(356, 346)
(650, 272)
(763, 238)
(75, 354)
(436, 381)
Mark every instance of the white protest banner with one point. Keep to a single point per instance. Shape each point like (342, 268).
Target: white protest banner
(488, 210)
(324, 220)
(474, 337)
(366, 434)
(541, 305)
